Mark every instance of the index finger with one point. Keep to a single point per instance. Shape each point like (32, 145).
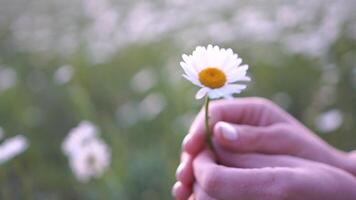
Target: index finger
(223, 182)
(251, 111)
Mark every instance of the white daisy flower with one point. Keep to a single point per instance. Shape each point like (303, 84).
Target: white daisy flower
(91, 161)
(79, 136)
(88, 155)
(216, 71)
(12, 147)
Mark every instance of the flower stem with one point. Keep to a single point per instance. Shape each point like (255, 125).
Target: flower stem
(207, 127)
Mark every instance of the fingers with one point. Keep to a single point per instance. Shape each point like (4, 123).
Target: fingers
(279, 138)
(184, 173)
(234, 183)
(251, 111)
(200, 194)
(180, 191)
(253, 160)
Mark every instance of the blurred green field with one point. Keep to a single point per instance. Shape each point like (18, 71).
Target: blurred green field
(121, 72)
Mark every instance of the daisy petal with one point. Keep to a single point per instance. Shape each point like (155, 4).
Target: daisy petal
(233, 89)
(215, 94)
(246, 78)
(236, 86)
(238, 74)
(194, 81)
(189, 70)
(201, 93)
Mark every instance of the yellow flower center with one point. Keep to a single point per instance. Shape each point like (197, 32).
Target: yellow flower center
(212, 77)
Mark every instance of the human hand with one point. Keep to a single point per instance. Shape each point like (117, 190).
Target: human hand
(258, 126)
(270, 177)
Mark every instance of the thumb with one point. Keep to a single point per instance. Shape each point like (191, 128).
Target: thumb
(245, 138)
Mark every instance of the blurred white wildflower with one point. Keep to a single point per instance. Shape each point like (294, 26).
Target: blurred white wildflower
(329, 121)
(63, 74)
(100, 34)
(8, 78)
(88, 155)
(216, 71)
(91, 161)
(253, 24)
(143, 80)
(12, 147)
(287, 17)
(317, 24)
(78, 137)
(214, 31)
(151, 106)
(139, 21)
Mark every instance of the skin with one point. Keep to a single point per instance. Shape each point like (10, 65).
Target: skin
(266, 133)
(270, 177)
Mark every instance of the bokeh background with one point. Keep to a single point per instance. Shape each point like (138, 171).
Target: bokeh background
(115, 63)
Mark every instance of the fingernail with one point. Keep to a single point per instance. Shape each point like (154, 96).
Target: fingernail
(228, 131)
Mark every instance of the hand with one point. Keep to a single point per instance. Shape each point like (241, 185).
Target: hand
(258, 126)
(269, 177)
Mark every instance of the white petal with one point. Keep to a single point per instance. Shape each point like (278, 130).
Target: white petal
(215, 94)
(191, 79)
(245, 78)
(236, 87)
(232, 89)
(238, 74)
(233, 63)
(189, 70)
(186, 58)
(228, 96)
(201, 93)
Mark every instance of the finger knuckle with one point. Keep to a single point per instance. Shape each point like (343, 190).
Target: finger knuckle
(212, 181)
(281, 187)
(290, 138)
(257, 139)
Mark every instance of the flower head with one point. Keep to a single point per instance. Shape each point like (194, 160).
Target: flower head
(216, 71)
(79, 136)
(89, 156)
(91, 161)
(12, 147)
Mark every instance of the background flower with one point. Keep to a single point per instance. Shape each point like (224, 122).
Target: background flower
(91, 160)
(88, 155)
(12, 147)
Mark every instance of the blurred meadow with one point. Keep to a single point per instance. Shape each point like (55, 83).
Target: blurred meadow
(114, 64)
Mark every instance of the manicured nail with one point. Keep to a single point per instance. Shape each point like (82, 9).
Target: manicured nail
(228, 131)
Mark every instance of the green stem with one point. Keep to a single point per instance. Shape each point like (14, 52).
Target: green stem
(207, 127)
